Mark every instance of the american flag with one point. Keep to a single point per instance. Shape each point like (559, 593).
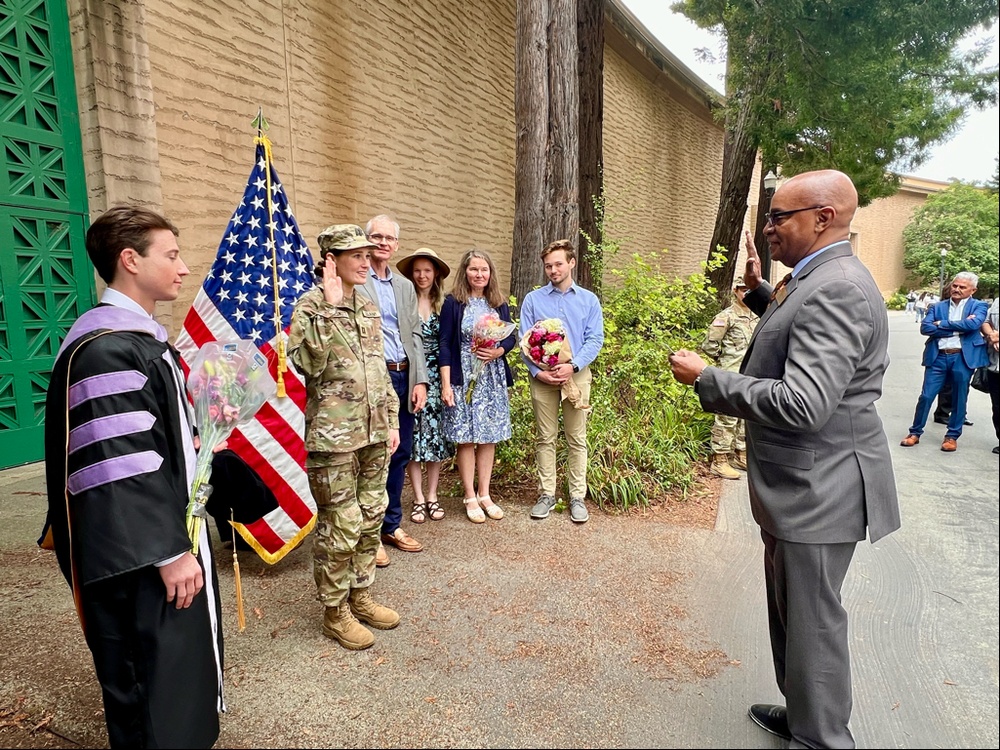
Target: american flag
(262, 251)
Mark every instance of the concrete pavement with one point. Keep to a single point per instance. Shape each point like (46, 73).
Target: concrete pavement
(624, 632)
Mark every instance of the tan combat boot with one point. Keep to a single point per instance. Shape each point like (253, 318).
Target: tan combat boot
(721, 467)
(367, 610)
(739, 460)
(339, 624)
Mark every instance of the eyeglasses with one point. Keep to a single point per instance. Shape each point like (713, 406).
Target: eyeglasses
(380, 238)
(776, 218)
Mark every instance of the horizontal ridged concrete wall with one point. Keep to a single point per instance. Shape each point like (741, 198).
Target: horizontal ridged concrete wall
(393, 107)
(662, 165)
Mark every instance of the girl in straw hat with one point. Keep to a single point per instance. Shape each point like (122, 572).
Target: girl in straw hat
(427, 272)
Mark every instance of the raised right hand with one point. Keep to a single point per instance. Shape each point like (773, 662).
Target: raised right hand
(333, 287)
(751, 275)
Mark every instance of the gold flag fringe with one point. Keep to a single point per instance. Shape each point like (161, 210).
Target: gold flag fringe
(241, 618)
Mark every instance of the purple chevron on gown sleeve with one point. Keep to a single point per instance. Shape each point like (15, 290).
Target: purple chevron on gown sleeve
(108, 384)
(104, 428)
(113, 470)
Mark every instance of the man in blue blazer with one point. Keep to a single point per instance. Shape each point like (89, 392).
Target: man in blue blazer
(954, 348)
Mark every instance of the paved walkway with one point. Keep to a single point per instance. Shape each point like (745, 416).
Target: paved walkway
(624, 632)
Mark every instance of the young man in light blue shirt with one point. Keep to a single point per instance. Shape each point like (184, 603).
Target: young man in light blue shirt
(580, 312)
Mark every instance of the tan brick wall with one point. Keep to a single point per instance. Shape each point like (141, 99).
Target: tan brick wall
(389, 106)
(879, 242)
(662, 165)
(396, 106)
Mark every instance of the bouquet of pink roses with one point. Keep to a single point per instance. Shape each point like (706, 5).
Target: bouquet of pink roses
(228, 383)
(487, 333)
(546, 345)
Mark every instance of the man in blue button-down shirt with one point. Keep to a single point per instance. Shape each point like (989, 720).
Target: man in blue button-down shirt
(580, 311)
(403, 339)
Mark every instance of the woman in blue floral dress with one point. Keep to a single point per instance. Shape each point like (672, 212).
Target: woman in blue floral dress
(479, 425)
(427, 272)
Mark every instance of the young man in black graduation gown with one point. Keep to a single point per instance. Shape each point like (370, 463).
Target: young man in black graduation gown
(120, 455)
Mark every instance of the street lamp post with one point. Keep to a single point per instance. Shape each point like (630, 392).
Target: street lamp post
(944, 253)
(770, 183)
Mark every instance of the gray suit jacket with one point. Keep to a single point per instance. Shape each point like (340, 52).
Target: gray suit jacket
(410, 327)
(818, 459)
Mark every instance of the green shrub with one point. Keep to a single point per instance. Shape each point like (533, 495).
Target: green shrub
(646, 430)
(896, 302)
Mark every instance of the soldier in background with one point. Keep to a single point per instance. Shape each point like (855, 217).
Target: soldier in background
(726, 342)
(352, 427)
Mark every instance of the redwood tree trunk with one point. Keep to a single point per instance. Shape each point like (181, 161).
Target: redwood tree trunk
(547, 112)
(738, 158)
(562, 209)
(590, 37)
(531, 115)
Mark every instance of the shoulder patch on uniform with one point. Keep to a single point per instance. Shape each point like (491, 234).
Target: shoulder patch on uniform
(719, 322)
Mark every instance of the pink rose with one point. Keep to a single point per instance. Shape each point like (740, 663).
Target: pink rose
(536, 354)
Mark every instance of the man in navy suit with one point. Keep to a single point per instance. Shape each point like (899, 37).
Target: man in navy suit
(954, 348)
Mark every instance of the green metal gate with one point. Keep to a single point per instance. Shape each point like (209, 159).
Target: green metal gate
(45, 278)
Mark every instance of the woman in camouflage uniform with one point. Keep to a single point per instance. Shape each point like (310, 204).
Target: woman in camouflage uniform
(352, 427)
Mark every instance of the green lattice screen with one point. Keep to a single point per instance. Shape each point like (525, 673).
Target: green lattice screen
(45, 279)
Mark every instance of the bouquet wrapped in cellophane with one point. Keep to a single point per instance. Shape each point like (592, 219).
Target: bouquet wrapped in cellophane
(228, 383)
(487, 333)
(545, 345)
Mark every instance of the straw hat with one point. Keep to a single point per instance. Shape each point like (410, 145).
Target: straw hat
(405, 266)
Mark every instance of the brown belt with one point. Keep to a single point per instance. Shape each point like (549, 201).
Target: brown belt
(950, 351)
(396, 366)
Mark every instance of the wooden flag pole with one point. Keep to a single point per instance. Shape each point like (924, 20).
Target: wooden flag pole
(263, 140)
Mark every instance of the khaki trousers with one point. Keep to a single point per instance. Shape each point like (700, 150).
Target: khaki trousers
(545, 402)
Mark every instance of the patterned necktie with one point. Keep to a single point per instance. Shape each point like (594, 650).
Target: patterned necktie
(780, 288)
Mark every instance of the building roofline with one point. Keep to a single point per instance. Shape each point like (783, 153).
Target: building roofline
(913, 184)
(654, 50)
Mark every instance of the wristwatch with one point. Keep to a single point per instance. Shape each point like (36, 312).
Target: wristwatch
(576, 367)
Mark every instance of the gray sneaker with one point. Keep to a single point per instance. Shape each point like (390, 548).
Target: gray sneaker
(543, 507)
(578, 511)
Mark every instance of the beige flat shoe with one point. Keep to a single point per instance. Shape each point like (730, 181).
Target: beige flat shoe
(493, 510)
(474, 512)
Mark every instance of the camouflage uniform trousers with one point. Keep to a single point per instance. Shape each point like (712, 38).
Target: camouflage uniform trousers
(728, 434)
(350, 504)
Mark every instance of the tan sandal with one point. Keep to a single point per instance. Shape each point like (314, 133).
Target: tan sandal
(475, 513)
(493, 510)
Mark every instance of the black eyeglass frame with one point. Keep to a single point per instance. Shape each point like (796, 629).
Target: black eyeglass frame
(775, 218)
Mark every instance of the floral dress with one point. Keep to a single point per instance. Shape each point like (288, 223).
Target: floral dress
(429, 443)
(487, 418)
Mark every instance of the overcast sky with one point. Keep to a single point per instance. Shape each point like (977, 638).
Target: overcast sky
(967, 156)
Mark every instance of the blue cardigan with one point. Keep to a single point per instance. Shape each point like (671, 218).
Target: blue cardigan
(451, 339)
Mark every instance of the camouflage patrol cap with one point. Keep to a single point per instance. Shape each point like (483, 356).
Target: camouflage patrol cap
(339, 238)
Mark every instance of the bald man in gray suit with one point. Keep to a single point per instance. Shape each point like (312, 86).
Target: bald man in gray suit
(818, 459)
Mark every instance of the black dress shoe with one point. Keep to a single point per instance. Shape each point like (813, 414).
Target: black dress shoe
(938, 420)
(771, 718)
